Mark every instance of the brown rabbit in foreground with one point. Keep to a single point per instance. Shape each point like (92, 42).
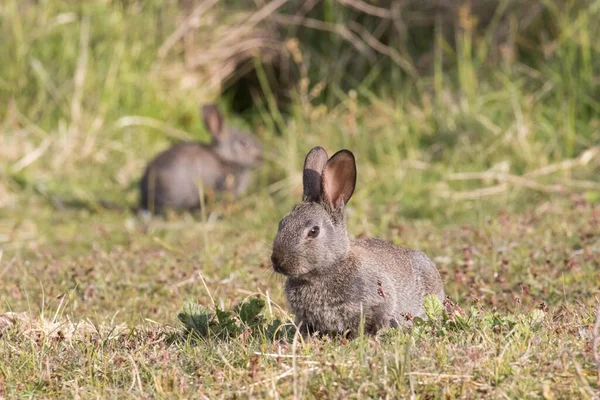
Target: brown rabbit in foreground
(331, 279)
(171, 180)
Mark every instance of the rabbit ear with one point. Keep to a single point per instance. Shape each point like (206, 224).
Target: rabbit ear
(311, 175)
(339, 178)
(213, 119)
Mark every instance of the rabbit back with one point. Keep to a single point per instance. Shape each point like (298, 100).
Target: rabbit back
(381, 282)
(171, 180)
(404, 276)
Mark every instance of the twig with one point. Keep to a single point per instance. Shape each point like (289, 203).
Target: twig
(212, 300)
(582, 160)
(508, 178)
(595, 343)
(478, 193)
(185, 26)
(32, 156)
(134, 120)
(275, 355)
(192, 279)
(135, 376)
(367, 8)
(241, 43)
(526, 181)
(341, 30)
(441, 376)
(248, 46)
(46, 80)
(582, 184)
(516, 180)
(235, 35)
(383, 49)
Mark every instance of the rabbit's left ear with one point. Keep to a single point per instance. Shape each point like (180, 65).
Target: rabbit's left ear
(311, 173)
(339, 178)
(213, 119)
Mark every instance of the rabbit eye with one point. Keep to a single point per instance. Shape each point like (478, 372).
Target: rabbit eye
(314, 232)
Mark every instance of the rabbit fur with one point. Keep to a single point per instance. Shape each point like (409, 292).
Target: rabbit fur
(224, 165)
(333, 280)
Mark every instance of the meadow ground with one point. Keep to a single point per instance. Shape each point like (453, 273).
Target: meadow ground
(493, 172)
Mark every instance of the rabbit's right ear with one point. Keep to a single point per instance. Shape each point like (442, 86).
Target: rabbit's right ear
(339, 178)
(311, 175)
(213, 119)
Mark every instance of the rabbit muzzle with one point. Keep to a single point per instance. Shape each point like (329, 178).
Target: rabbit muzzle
(284, 262)
(277, 261)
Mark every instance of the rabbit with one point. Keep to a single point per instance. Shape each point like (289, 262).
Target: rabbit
(171, 180)
(331, 279)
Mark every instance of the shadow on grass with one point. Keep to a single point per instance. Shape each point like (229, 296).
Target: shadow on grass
(444, 320)
(62, 197)
(243, 320)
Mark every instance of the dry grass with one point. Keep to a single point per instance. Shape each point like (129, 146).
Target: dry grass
(523, 283)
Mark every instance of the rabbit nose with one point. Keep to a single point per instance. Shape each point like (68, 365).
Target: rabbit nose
(276, 261)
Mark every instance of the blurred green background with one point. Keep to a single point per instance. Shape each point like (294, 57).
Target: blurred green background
(422, 91)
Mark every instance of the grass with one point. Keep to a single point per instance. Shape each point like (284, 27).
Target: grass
(503, 271)
(490, 168)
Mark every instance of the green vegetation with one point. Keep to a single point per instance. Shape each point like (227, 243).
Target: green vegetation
(478, 145)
